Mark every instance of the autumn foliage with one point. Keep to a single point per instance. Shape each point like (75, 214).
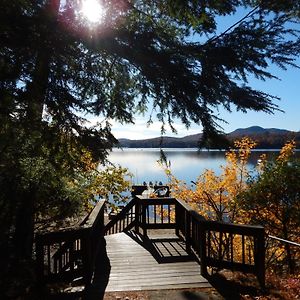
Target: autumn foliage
(267, 195)
(215, 196)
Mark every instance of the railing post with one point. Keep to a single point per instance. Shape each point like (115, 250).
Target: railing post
(203, 258)
(260, 257)
(177, 218)
(187, 229)
(86, 250)
(144, 223)
(137, 215)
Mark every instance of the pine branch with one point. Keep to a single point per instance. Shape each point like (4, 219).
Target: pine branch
(211, 40)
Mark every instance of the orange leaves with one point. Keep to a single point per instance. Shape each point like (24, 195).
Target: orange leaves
(244, 146)
(270, 197)
(287, 151)
(215, 195)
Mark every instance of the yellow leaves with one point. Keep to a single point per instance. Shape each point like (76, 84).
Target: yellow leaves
(245, 145)
(224, 197)
(113, 180)
(287, 151)
(87, 160)
(214, 195)
(168, 172)
(89, 181)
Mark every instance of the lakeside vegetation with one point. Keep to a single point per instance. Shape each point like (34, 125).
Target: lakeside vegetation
(269, 197)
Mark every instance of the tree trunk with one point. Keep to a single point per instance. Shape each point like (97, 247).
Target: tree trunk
(35, 96)
(290, 261)
(24, 228)
(37, 88)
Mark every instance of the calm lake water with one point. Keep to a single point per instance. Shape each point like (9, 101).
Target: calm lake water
(186, 164)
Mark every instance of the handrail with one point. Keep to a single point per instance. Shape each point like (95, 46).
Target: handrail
(214, 242)
(70, 252)
(94, 215)
(124, 220)
(61, 233)
(217, 244)
(283, 240)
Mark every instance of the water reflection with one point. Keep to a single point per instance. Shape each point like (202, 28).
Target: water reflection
(186, 164)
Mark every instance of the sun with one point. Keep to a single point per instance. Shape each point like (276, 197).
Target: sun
(92, 10)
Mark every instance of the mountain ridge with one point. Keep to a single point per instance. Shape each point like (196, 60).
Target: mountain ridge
(266, 138)
(258, 129)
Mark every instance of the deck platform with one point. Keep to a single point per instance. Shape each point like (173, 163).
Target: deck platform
(157, 262)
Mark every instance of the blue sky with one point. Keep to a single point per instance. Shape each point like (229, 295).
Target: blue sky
(287, 89)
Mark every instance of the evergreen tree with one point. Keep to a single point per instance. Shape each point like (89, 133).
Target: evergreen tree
(52, 61)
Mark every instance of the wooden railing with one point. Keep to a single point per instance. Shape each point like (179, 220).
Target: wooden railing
(137, 212)
(223, 245)
(70, 253)
(124, 220)
(218, 245)
(282, 261)
(156, 213)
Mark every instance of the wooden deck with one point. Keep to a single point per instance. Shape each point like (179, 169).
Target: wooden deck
(159, 262)
(131, 262)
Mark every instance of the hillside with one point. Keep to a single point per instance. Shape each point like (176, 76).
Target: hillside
(267, 138)
(189, 141)
(257, 130)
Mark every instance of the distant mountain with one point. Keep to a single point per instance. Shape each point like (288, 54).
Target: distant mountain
(190, 141)
(267, 138)
(254, 130)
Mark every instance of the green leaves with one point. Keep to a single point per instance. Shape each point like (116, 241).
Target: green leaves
(273, 196)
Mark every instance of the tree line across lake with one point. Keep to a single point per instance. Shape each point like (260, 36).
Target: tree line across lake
(271, 138)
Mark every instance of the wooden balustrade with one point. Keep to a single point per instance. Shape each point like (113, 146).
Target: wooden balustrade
(156, 213)
(124, 220)
(218, 245)
(223, 245)
(141, 214)
(70, 253)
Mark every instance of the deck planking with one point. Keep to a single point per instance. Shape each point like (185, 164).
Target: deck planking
(158, 262)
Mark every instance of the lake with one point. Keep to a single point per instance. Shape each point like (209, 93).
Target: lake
(186, 164)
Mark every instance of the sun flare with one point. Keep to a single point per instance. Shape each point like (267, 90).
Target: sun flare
(92, 10)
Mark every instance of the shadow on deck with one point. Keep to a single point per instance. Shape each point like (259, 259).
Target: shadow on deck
(165, 248)
(152, 263)
(157, 266)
